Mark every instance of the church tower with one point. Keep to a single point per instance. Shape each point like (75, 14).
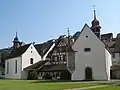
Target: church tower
(16, 42)
(95, 25)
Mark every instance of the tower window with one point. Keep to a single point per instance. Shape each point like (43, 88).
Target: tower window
(86, 36)
(87, 49)
(31, 60)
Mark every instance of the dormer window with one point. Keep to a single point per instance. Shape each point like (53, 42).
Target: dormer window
(87, 49)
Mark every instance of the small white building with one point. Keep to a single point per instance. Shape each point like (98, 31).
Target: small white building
(92, 58)
(19, 59)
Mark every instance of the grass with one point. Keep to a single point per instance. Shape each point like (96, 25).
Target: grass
(42, 85)
(114, 86)
(108, 88)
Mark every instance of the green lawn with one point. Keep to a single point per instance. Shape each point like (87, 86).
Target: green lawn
(42, 85)
(108, 88)
(114, 86)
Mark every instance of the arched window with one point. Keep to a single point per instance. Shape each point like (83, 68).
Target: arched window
(15, 66)
(31, 60)
(7, 67)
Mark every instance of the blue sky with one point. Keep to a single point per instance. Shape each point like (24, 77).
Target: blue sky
(41, 20)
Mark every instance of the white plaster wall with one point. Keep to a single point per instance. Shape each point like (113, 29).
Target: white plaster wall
(26, 59)
(27, 55)
(94, 59)
(24, 74)
(11, 73)
(108, 63)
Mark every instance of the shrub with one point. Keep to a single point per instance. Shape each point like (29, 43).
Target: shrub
(32, 75)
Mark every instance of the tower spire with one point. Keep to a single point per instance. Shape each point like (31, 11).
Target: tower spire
(95, 24)
(16, 34)
(16, 42)
(94, 12)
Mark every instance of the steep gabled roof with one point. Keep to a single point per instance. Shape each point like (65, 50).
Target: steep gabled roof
(79, 33)
(54, 67)
(18, 51)
(76, 35)
(117, 45)
(36, 65)
(63, 41)
(107, 36)
(44, 47)
(111, 45)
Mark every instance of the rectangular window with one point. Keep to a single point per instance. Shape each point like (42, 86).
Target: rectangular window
(31, 60)
(64, 57)
(15, 66)
(87, 49)
(7, 67)
(56, 58)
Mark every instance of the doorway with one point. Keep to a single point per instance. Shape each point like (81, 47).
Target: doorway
(88, 73)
